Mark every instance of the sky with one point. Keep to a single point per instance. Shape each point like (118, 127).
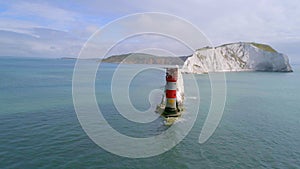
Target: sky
(55, 28)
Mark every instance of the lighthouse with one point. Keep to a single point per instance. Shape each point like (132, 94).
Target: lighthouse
(171, 105)
(170, 91)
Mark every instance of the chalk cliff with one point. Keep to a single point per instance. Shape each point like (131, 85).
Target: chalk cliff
(240, 56)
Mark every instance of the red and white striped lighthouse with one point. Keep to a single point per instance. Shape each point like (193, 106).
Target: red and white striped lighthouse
(171, 87)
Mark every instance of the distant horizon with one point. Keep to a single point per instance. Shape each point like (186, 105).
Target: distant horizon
(294, 59)
(292, 62)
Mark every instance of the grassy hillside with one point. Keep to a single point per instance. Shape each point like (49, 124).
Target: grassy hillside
(142, 58)
(263, 47)
(258, 45)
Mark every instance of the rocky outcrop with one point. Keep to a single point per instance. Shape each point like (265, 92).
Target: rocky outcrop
(240, 56)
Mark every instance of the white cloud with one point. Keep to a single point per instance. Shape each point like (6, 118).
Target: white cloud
(42, 10)
(50, 43)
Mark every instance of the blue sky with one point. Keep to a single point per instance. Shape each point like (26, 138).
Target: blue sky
(55, 28)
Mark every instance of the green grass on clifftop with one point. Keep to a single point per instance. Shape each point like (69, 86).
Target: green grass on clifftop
(263, 47)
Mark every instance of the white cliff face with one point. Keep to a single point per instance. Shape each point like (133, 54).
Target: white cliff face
(236, 57)
(180, 88)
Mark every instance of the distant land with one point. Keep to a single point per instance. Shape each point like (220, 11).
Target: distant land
(231, 57)
(72, 58)
(143, 58)
(139, 58)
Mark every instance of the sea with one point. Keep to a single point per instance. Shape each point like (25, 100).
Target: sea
(39, 128)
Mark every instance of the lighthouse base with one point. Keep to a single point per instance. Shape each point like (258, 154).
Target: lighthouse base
(169, 112)
(170, 115)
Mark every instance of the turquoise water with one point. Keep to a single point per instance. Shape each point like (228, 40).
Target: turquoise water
(260, 127)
